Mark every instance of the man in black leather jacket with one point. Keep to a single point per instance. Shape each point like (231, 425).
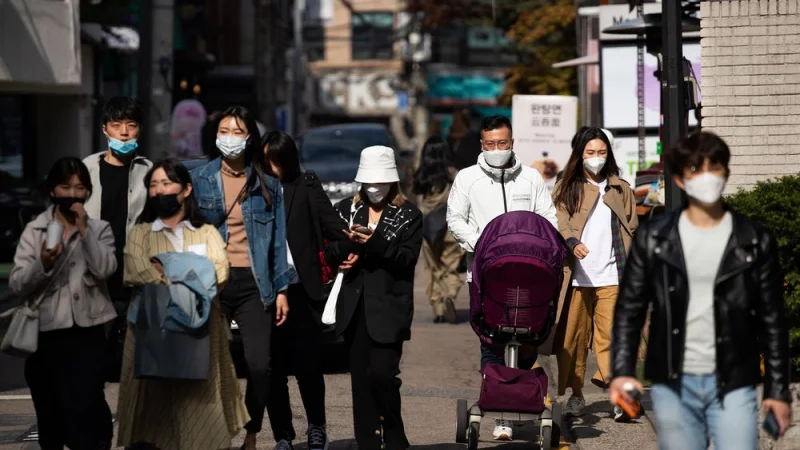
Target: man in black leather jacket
(713, 284)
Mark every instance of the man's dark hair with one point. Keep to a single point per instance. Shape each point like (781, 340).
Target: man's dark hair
(692, 151)
(495, 123)
(122, 108)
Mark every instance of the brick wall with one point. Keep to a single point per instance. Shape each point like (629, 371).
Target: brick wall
(751, 85)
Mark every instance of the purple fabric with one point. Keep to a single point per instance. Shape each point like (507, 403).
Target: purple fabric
(517, 390)
(517, 273)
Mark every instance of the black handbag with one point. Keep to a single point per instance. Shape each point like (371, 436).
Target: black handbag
(434, 227)
(164, 354)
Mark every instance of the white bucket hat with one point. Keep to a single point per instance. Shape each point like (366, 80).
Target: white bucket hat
(377, 165)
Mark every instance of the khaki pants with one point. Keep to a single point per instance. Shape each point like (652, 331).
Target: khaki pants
(589, 320)
(443, 278)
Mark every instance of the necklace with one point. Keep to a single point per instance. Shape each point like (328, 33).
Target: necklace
(233, 173)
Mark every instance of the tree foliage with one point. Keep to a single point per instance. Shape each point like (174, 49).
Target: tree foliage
(775, 204)
(546, 35)
(543, 32)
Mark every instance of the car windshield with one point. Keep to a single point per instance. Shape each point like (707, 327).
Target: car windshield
(340, 144)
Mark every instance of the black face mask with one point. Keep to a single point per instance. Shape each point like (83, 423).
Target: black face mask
(65, 203)
(167, 205)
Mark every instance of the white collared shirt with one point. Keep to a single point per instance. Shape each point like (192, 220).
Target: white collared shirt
(175, 236)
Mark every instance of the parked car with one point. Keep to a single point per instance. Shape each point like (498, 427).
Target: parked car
(333, 152)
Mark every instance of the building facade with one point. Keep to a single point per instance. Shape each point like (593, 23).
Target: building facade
(751, 92)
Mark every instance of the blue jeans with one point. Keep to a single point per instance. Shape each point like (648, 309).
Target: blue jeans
(496, 355)
(689, 410)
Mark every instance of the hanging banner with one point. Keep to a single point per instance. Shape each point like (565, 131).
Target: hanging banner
(543, 129)
(188, 119)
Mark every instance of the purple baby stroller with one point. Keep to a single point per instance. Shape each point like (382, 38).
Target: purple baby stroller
(516, 278)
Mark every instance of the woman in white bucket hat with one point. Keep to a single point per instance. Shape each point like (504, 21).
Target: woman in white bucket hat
(376, 302)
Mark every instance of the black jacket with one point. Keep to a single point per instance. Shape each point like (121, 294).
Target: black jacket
(301, 196)
(384, 273)
(748, 308)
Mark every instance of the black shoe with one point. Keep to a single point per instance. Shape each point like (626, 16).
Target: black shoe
(438, 319)
(317, 438)
(284, 445)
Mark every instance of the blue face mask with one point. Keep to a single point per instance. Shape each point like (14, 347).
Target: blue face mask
(122, 148)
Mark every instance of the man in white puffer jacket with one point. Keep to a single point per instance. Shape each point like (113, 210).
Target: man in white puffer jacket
(498, 183)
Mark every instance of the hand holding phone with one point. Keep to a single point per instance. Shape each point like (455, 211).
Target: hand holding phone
(632, 407)
(771, 426)
(362, 229)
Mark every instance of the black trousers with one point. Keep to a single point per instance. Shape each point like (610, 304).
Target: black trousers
(241, 301)
(296, 345)
(66, 379)
(374, 370)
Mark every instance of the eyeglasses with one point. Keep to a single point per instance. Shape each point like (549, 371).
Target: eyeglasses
(498, 145)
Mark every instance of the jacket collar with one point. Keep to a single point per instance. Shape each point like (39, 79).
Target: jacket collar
(137, 159)
(738, 253)
(211, 172)
(42, 220)
(497, 173)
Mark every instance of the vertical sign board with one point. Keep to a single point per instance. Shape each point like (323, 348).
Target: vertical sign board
(543, 127)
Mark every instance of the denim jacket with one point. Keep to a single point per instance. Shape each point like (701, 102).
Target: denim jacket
(265, 227)
(192, 282)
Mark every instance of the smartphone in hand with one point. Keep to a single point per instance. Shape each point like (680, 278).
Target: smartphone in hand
(363, 230)
(771, 426)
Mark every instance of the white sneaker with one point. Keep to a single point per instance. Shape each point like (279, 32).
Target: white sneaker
(503, 430)
(574, 407)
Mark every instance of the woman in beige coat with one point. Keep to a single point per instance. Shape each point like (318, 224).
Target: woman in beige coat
(176, 414)
(597, 217)
(66, 374)
(432, 182)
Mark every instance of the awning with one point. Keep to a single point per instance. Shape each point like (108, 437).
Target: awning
(580, 61)
(119, 38)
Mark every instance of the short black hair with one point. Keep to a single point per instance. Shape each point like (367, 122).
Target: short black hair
(122, 108)
(63, 170)
(177, 173)
(495, 123)
(693, 150)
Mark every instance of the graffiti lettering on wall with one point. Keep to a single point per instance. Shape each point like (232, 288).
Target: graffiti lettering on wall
(358, 93)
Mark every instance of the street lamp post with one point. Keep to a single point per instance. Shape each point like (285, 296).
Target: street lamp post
(673, 93)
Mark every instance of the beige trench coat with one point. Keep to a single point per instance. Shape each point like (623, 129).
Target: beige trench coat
(620, 198)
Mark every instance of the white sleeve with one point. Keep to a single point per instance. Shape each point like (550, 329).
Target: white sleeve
(458, 216)
(543, 200)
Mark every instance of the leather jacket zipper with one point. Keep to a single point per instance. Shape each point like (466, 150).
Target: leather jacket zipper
(668, 309)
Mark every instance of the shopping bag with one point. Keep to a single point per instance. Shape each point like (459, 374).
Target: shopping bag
(329, 314)
(165, 354)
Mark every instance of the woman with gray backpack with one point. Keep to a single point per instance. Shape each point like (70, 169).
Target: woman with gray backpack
(61, 265)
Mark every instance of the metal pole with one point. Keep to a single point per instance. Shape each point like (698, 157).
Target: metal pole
(264, 59)
(298, 72)
(144, 72)
(672, 93)
(640, 89)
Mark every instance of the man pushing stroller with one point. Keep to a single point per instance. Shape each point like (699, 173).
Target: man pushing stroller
(475, 200)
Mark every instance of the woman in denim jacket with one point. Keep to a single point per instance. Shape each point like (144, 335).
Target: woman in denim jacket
(66, 374)
(236, 195)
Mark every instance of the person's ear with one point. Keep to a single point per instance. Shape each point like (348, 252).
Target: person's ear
(679, 182)
(187, 191)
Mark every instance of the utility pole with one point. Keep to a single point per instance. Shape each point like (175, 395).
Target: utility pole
(264, 61)
(673, 92)
(155, 75)
(298, 68)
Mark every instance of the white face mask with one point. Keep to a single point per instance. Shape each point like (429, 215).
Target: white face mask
(377, 192)
(497, 158)
(231, 146)
(594, 165)
(706, 188)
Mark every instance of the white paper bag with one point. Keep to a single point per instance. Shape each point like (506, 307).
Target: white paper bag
(329, 314)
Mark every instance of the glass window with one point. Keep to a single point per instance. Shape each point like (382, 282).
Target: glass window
(373, 35)
(314, 43)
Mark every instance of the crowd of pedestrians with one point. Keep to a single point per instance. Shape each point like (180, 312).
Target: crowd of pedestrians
(252, 239)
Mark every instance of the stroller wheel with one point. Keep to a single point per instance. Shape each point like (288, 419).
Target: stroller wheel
(462, 419)
(472, 436)
(556, 431)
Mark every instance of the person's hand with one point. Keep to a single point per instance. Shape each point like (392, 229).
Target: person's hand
(49, 257)
(81, 218)
(580, 251)
(351, 260)
(359, 237)
(281, 308)
(617, 390)
(782, 412)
